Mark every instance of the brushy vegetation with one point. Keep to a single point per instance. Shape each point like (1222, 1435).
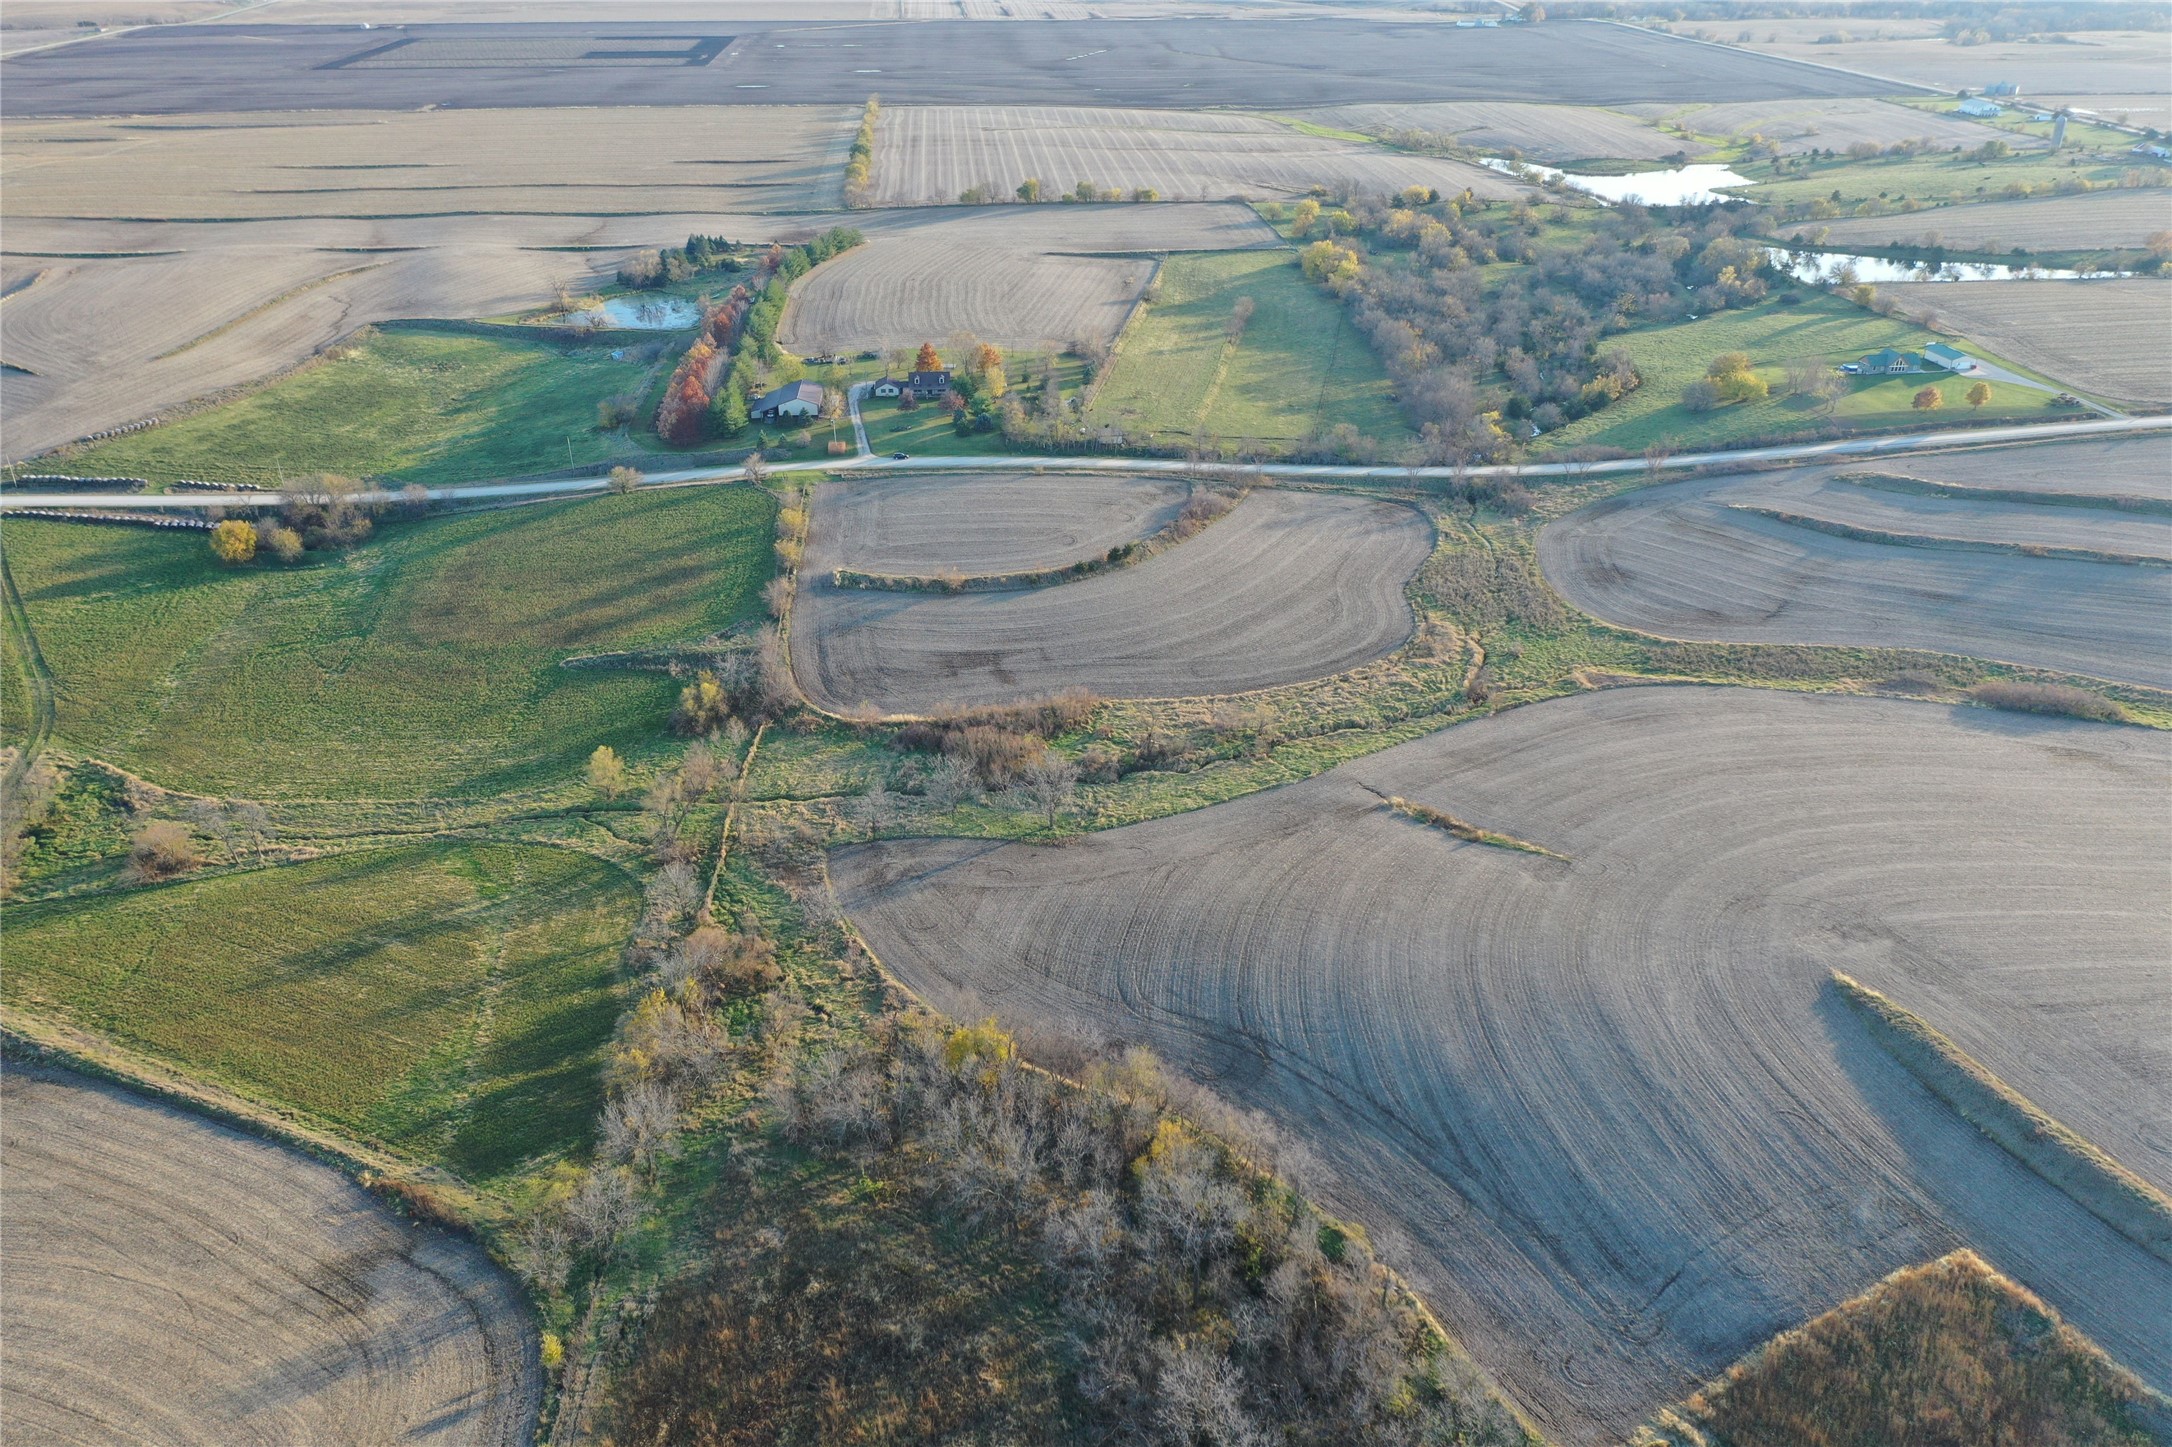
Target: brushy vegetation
(1948, 1354)
(1448, 823)
(1291, 372)
(1860, 534)
(2061, 699)
(2099, 1184)
(406, 405)
(426, 661)
(1206, 1301)
(448, 1002)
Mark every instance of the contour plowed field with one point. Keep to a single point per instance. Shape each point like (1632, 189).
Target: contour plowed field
(1809, 124)
(2054, 223)
(1289, 586)
(1611, 1100)
(1693, 560)
(988, 522)
(929, 155)
(168, 1280)
(2106, 337)
(1019, 276)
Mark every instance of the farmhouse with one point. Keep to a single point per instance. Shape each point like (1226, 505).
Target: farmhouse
(927, 386)
(794, 399)
(1888, 361)
(1953, 359)
(886, 387)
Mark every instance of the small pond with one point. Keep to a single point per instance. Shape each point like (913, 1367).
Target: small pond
(1673, 186)
(639, 314)
(1830, 266)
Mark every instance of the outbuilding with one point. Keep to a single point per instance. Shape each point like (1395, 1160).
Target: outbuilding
(1977, 106)
(1953, 359)
(793, 399)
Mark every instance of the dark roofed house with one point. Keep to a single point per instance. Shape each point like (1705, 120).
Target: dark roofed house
(927, 386)
(1889, 361)
(793, 399)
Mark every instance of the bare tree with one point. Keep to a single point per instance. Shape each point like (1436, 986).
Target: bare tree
(1048, 784)
(543, 1252)
(639, 1126)
(602, 1209)
(757, 469)
(676, 891)
(952, 782)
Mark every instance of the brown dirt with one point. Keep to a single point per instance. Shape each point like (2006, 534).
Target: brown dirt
(2105, 337)
(1613, 1101)
(2051, 223)
(169, 1280)
(1682, 561)
(1289, 586)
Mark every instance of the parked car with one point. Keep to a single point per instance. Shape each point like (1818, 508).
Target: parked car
(1850, 368)
(899, 456)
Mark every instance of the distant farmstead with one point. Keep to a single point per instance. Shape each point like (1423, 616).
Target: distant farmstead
(927, 386)
(794, 399)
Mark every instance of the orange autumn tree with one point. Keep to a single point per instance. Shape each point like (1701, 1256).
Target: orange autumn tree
(929, 359)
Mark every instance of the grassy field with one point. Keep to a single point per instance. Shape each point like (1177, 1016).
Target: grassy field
(1299, 368)
(449, 1001)
(412, 406)
(424, 662)
(1933, 178)
(1950, 1343)
(1827, 328)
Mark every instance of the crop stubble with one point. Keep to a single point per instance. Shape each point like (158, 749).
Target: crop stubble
(2126, 217)
(1288, 586)
(169, 1280)
(1611, 1100)
(929, 155)
(988, 522)
(1691, 560)
(2106, 337)
(1541, 132)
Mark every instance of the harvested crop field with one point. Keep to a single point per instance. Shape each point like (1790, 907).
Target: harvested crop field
(169, 1280)
(1705, 559)
(2078, 68)
(1188, 62)
(1610, 1098)
(376, 163)
(1815, 124)
(2109, 338)
(1549, 133)
(2053, 223)
(988, 522)
(931, 155)
(1288, 586)
(1041, 276)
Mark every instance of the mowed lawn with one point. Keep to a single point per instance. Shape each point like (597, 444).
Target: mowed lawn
(1299, 369)
(423, 663)
(409, 406)
(1826, 328)
(448, 1001)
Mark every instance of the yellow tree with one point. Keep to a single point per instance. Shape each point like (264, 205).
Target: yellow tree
(1928, 400)
(607, 772)
(234, 541)
(1979, 394)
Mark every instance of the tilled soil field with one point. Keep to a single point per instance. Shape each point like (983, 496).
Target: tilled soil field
(1025, 276)
(1697, 560)
(1190, 62)
(1549, 133)
(1288, 586)
(988, 522)
(2053, 223)
(2105, 337)
(168, 1280)
(1811, 124)
(931, 155)
(1611, 1099)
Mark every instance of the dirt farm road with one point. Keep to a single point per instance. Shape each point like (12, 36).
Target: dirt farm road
(14, 501)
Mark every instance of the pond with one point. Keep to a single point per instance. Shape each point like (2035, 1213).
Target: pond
(1674, 186)
(1823, 267)
(639, 314)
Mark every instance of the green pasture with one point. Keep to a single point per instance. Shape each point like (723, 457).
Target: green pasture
(423, 663)
(1300, 368)
(1933, 178)
(1824, 327)
(405, 405)
(448, 1001)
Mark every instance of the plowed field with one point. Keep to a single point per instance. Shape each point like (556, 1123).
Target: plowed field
(929, 155)
(2054, 223)
(168, 1280)
(1611, 1100)
(988, 522)
(2106, 337)
(1289, 586)
(1698, 560)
